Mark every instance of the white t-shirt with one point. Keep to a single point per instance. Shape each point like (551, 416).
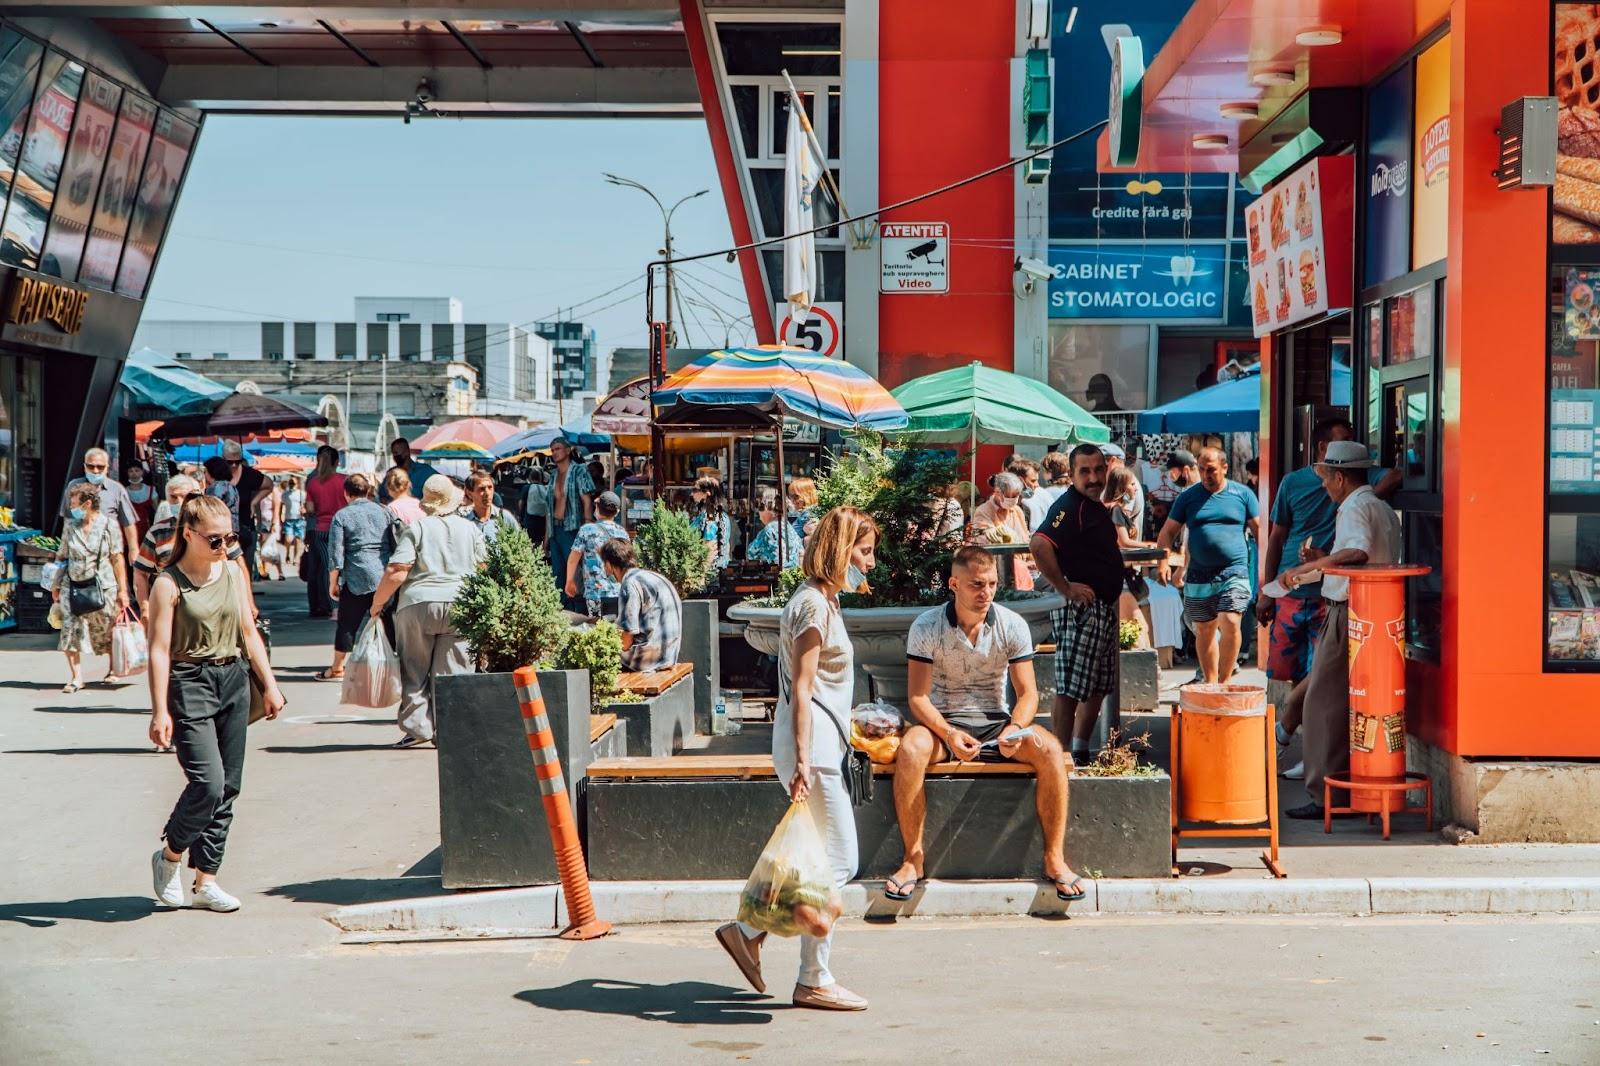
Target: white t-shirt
(834, 685)
(1365, 522)
(969, 676)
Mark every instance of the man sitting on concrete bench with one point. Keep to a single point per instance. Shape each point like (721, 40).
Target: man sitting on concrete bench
(959, 655)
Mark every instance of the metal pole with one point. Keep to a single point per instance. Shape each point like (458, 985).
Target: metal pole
(672, 334)
(347, 410)
(781, 518)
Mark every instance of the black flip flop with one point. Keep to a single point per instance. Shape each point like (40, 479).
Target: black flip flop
(901, 891)
(1072, 896)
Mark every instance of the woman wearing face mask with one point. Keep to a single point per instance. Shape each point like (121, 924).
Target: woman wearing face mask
(91, 546)
(1001, 518)
(200, 622)
(142, 496)
(713, 522)
(816, 669)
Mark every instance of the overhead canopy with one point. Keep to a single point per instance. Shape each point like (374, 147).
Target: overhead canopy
(759, 387)
(160, 386)
(625, 412)
(1229, 407)
(455, 449)
(242, 413)
(539, 438)
(484, 432)
(977, 402)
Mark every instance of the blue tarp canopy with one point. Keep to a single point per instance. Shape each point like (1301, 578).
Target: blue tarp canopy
(164, 388)
(253, 450)
(1231, 407)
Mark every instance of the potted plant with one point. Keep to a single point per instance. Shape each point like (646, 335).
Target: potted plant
(492, 825)
(673, 548)
(897, 484)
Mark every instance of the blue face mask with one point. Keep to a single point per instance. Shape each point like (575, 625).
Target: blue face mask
(853, 578)
(93, 479)
(77, 514)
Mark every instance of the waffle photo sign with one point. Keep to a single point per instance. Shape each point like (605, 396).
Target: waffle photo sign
(1299, 239)
(1576, 218)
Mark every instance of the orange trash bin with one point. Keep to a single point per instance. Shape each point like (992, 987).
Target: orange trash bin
(1224, 767)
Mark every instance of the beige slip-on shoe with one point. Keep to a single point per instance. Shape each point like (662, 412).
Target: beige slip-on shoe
(829, 997)
(745, 953)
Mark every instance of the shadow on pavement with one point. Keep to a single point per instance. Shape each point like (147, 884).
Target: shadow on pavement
(344, 891)
(326, 749)
(681, 1003)
(99, 709)
(37, 686)
(430, 865)
(98, 909)
(146, 750)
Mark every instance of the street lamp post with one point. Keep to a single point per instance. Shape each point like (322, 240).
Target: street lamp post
(666, 223)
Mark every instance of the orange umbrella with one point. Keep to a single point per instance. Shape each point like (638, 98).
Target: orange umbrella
(483, 432)
(284, 464)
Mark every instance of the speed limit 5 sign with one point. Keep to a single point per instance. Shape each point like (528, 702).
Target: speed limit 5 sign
(820, 331)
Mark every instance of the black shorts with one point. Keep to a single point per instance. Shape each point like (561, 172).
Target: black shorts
(984, 733)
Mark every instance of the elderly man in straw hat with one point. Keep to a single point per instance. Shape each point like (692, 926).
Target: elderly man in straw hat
(433, 558)
(1366, 532)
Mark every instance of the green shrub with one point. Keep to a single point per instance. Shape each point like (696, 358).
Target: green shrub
(673, 548)
(509, 611)
(597, 649)
(1128, 634)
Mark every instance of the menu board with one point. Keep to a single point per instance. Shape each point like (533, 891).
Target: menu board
(1289, 247)
(1574, 440)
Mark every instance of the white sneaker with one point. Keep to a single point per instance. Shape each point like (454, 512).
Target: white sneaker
(210, 897)
(1297, 772)
(168, 877)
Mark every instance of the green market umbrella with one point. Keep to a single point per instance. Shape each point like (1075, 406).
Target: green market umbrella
(978, 404)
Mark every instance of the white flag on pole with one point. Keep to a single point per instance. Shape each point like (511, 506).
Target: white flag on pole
(802, 170)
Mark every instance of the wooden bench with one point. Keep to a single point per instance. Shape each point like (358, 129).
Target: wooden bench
(599, 724)
(654, 682)
(748, 767)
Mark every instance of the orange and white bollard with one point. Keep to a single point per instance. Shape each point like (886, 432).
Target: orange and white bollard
(585, 924)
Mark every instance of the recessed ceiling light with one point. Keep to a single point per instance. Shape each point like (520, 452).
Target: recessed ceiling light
(1211, 140)
(1242, 109)
(1319, 36)
(269, 25)
(1269, 76)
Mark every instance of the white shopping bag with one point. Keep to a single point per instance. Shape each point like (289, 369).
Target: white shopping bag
(372, 672)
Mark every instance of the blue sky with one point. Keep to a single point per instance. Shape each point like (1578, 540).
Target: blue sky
(294, 217)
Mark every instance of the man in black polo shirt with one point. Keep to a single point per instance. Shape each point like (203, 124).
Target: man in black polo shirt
(1076, 551)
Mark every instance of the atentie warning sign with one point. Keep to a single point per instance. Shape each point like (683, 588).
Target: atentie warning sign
(915, 257)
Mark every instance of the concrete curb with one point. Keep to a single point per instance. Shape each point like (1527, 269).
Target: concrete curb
(540, 910)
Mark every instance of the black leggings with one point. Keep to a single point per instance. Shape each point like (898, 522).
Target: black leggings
(210, 705)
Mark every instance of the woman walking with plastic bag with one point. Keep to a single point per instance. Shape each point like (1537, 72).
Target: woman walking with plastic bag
(200, 622)
(93, 592)
(433, 558)
(816, 667)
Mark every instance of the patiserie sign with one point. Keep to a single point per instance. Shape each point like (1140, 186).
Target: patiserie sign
(34, 300)
(914, 257)
(1167, 281)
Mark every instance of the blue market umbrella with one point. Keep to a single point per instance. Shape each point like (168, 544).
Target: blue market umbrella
(1231, 407)
(539, 438)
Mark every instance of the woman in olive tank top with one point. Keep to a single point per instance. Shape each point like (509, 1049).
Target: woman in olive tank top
(202, 632)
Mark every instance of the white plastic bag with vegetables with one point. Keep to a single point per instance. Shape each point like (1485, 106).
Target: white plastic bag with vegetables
(791, 891)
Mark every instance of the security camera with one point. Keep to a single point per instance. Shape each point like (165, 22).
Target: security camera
(1034, 268)
(424, 91)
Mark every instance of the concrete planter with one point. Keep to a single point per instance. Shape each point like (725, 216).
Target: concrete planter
(1141, 680)
(878, 635)
(492, 827)
(657, 726)
(702, 647)
(978, 827)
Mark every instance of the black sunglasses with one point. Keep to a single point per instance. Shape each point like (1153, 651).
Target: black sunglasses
(217, 540)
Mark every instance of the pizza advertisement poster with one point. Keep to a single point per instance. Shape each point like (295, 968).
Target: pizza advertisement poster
(1289, 284)
(1575, 207)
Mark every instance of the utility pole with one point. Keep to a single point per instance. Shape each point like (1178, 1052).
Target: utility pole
(666, 252)
(347, 410)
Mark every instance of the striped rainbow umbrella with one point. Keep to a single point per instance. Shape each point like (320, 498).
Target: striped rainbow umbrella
(759, 386)
(455, 449)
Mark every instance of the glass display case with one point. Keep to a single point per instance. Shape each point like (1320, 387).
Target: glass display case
(1572, 536)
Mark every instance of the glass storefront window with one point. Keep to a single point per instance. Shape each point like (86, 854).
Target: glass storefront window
(1411, 326)
(80, 178)
(158, 189)
(1102, 368)
(1573, 591)
(128, 144)
(22, 237)
(801, 48)
(19, 72)
(1406, 428)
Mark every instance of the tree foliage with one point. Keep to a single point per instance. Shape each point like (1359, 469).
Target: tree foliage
(673, 548)
(510, 611)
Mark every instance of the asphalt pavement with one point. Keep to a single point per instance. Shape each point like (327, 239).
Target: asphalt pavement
(92, 972)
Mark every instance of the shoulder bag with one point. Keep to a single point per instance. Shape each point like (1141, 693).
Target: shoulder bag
(856, 769)
(87, 597)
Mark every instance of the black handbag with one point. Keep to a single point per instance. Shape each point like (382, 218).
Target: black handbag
(856, 769)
